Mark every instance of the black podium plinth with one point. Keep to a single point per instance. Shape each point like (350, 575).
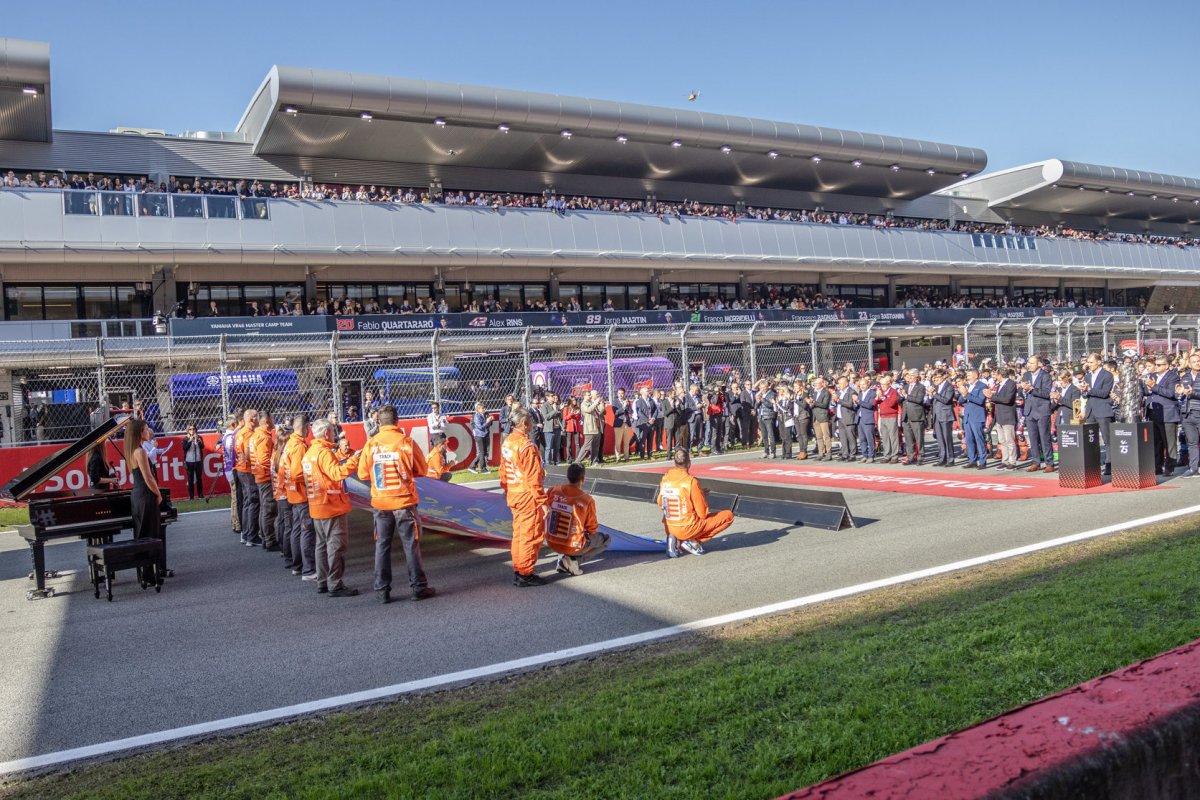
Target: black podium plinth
(1079, 456)
(1132, 455)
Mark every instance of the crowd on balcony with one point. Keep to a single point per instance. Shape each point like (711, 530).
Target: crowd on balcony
(557, 203)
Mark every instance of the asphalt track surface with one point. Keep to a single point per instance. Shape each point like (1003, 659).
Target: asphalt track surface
(235, 633)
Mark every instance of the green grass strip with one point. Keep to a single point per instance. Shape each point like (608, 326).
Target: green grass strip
(747, 712)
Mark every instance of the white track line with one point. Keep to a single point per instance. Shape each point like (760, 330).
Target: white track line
(516, 665)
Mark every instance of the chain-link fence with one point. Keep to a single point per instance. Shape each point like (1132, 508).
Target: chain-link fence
(56, 388)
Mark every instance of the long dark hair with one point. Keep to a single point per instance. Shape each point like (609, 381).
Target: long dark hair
(133, 439)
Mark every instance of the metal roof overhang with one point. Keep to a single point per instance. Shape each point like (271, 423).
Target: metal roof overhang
(307, 112)
(1074, 188)
(25, 90)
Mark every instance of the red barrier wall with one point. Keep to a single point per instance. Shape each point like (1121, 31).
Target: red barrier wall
(1134, 733)
(173, 475)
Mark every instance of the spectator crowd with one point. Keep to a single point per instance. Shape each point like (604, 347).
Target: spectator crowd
(558, 203)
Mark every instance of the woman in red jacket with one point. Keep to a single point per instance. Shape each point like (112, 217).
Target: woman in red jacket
(572, 426)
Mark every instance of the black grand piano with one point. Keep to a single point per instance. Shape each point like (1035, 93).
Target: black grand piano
(88, 514)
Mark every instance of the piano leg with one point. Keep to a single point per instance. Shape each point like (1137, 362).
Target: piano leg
(38, 551)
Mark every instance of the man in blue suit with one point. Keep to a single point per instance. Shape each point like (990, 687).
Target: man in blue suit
(1159, 390)
(943, 417)
(865, 419)
(1037, 385)
(1099, 402)
(974, 419)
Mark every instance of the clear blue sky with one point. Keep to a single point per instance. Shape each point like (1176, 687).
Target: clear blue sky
(1104, 82)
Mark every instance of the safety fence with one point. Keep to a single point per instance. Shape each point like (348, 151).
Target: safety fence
(55, 388)
(1070, 338)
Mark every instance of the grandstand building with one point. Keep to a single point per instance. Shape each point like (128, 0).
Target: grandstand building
(869, 216)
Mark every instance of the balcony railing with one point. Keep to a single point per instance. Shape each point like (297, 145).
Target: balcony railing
(156, 204)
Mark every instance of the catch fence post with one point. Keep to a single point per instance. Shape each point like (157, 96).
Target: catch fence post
(223, 367)
(683, 356)
(101, 388)
(335, 375)
(608, 362)
(753, 360)
(436, 362)
(526, 377)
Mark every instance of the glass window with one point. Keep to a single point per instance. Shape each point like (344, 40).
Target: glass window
(81, 203)
(99, 302)
(188, 205)
(262, 296)
(617, 295)
(128, 306)
(593, 297)
(638, 295)
(567, 291)
(117, 204)
(254, 208)
(510, 293)
(221, 207)
(534, 293)
(61, 302)
(154, 205)
(23, 302)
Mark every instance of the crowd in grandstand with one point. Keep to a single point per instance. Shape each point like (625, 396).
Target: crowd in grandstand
(558, 203)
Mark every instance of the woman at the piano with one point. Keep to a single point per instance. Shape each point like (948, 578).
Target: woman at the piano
(146, 497)
(100, 473)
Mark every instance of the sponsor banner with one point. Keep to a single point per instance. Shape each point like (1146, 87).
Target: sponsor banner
(983, 487)
(393, 323)
(215, 326)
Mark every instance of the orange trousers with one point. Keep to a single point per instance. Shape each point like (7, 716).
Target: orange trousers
(714, 523)
(528, 533)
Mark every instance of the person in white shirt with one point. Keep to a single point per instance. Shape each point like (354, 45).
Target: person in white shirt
(435, 420)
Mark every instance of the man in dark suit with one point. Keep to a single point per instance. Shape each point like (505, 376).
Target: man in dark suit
(1190, 400)
(943, 417)
(1163, 405)
(643, 412)
(1099, 402)
(821, 420)
(864, 420)
(1036, 385)
(746, 416)
(974, 419)
(766, 410)
(913, 409)
(1004, 405)
(847, 402)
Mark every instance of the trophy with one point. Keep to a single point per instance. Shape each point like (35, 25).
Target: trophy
(1078, 411)
(1130, 395)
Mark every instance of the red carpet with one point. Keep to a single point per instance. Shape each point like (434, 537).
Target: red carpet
(960, 483)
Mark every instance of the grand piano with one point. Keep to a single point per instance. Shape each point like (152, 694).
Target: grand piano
(89, 514)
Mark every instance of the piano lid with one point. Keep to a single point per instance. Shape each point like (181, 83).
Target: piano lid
(26, 483)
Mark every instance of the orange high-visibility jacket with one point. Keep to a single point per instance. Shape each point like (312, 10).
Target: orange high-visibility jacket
(682, 500)
(437, 464)
(323, 477)
(241, 448)
(292, 469)
(262, 447)
(521, 473)
(390, 464)
(570, 519)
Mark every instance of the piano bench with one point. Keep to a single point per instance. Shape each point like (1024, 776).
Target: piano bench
(144, 555)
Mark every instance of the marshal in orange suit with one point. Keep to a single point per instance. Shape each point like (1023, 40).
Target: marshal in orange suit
(685, 510)
(523, 481)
